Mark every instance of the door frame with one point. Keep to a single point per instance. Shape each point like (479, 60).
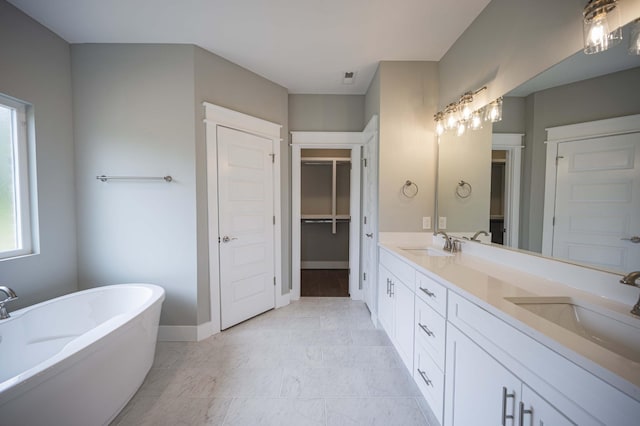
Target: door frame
(512, 143)
(326, 140)
(370, 137)
(574, 133)
(219, 116)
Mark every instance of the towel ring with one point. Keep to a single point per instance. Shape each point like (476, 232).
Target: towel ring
(407, 191)
(463, 190)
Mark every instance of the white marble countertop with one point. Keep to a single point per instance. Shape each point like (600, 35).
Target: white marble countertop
(488, 284)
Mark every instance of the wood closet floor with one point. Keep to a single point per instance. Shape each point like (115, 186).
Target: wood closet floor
(324, 283)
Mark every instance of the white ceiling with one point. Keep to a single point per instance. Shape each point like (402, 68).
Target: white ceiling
(303, 45)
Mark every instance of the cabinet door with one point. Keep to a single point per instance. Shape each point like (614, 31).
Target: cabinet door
(535, 411)
(480, 391)
(403, 324)
(385, 305)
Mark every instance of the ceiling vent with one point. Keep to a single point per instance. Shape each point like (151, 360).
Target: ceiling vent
(349, 77)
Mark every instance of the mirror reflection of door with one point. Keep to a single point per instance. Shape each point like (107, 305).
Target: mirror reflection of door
(498, 196)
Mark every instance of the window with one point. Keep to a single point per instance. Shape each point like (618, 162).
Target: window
(15, 215)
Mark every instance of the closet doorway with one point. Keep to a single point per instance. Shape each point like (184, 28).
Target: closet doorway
(326, 214)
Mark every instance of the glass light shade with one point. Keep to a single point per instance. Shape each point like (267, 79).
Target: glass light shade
(476, 120)
(461, 128)
(493, 112)
(450, 117)
(464, 106)
(601, 26)
(634, 38)
(439, 119)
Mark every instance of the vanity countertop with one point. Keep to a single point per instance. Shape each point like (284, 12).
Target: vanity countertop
(488, 284)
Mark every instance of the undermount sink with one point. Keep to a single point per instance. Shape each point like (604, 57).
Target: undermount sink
(426, 251)
(617, 335)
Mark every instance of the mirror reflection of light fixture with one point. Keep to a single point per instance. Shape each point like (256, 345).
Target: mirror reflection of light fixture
(462, 127)
(450, 117)
(439, 119)
(476, 120)
(601, 25)
(493, 112)
(634, 38)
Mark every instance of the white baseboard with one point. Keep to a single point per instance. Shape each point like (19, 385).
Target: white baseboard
(185, 333)
(312, 264)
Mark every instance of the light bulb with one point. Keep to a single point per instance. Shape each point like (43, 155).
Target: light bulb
(476, 120)
(439, 127)
(461, 128)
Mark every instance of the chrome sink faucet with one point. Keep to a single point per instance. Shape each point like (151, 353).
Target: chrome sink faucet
(475, 236)
(632, 279)
(448, 245)
(11, 295)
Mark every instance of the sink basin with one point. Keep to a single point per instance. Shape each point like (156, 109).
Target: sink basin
(621, 335)
(428, 251)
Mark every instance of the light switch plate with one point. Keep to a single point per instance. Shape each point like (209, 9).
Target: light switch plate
(442, 222)
(426, 222)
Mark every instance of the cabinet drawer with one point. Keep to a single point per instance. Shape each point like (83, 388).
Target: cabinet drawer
(401, 270)
(430, 381)
(430, 330)
(434, 293)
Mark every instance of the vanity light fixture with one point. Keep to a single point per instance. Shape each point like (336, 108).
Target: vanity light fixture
(634, 38)
(601, 25)
(494, 111)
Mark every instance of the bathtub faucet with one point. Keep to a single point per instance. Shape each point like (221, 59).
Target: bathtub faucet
(11, 295)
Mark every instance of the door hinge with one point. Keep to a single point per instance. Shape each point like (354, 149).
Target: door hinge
(273, 157)
(558, 158)
(218, 240)
(364, 276)
(553, 222)
(274, 281)
(364, 160)
(365, 220)
(274, 220)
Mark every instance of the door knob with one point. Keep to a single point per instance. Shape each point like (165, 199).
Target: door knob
(369, 235)
(635, 239)
(226, 239)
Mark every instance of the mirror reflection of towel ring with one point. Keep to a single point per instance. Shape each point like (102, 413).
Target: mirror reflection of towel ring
(463, 190)
(410, 189)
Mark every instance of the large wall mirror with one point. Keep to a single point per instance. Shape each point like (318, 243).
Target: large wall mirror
(496, 179)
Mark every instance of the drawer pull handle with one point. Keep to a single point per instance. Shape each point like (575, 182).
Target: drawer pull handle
(425, 378)
(391, 292)
(426, 330)
(523, 412)
(430, 294)
(506, 395)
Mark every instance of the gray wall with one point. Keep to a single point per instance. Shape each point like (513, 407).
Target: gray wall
(408, 99)
(513, 117)
(139, 111)
(609, 96)
(35, 68)
(134, 115)
(224, 83)
(326, 113)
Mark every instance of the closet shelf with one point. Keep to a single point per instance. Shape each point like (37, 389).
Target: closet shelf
(324, 160)
(328, 216)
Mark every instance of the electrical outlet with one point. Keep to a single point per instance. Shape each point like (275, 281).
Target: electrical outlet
(442, 222)
(426, 222)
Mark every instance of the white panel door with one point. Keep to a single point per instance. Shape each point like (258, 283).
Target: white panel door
(369, 222)
(597, 202)
(245, 192)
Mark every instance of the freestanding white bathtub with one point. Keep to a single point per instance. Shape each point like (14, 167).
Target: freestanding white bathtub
(79, 358)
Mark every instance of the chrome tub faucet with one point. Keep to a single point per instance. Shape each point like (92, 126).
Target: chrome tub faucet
(11, 295)
(632, 279)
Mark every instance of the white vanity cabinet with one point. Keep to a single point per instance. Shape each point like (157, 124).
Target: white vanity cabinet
(395, 312)
(483, 391)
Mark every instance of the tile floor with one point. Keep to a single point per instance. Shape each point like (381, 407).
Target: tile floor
(319, 361)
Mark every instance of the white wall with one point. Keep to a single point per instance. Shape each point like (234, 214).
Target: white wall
(35, 68)
(408, 100)
(134, 115)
